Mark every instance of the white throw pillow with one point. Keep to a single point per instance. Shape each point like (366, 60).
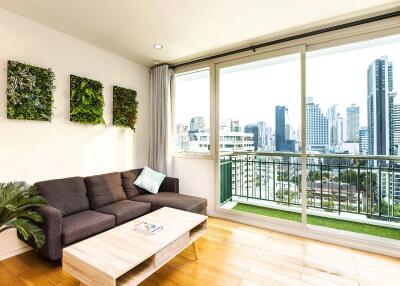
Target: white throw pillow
(150, 180)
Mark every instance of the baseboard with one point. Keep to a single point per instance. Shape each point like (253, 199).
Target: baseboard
(14, 252)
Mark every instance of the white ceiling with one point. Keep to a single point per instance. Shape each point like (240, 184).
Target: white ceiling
(186, 28)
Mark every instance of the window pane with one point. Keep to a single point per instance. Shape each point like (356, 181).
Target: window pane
(192, 112)
(353, 109)
(351, 97)
(260, 105)
(260, 111)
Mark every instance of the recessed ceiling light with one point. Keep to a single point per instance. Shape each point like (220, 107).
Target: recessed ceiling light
(158, 46)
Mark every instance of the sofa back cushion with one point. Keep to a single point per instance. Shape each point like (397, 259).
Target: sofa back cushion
(69, 195)
(128, 179)
(104, 189)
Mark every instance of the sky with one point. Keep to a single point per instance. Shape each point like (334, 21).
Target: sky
(249, 92)
(192, 97)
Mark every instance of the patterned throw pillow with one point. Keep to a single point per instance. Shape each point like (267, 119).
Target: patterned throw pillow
(150, 180)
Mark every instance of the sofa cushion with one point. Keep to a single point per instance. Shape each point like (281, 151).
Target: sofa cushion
(68, 195)
(128, 179)
(104, 189)
(150, 180)
(125, 210)
(173, 200)
(85, 224)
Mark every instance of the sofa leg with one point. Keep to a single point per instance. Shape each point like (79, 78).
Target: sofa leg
(195, 249)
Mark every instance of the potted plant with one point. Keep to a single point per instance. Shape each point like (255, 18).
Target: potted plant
(18, 201)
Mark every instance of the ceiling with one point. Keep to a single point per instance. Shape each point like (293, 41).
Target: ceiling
(186, 28)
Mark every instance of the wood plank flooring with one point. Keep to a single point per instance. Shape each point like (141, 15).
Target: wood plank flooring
(236, 254)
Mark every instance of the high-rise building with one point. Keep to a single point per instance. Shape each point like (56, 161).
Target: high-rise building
(197, 123)
(281, 121)
(380, 107)
(341, 129)
(331, 116)
(336, 128)
(363, 140)
(317, 127)
(262, 139)
(353, 123)
(182, 138)
(235, 126)
(253, 128)
(396, 128)
(259, 130)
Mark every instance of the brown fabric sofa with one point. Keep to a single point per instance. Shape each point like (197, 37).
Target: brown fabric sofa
(78, 208)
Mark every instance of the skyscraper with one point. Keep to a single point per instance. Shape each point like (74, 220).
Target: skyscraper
(353, 123)
(197, 123)
(253, 128)
(380, 107)
(317, 127)
(235, 126)
(262, 138)
(281, 121)
(363, 140)
(336, 128)
(396, 128)
(331, 116)
(269, 139)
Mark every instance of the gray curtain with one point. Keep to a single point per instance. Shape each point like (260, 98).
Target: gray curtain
(161, 92)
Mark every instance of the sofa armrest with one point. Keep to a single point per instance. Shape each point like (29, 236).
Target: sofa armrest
(170, 185)
(52, 229)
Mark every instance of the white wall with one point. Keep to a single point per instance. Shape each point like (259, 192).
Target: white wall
(32, 150)
(197, 177)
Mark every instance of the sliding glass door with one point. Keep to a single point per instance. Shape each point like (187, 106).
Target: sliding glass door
(259, 135)
(353, 136)
(350, 115)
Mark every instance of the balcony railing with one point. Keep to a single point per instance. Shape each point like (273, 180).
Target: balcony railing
(368, 186)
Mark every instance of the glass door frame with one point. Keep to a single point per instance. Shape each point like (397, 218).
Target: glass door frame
(336, 40)
(301, 51)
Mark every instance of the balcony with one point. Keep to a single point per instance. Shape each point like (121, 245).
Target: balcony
(347, 192)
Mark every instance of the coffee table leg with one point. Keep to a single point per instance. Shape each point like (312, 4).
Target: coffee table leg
(195, 249)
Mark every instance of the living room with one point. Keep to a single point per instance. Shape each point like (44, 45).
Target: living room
(160, 142)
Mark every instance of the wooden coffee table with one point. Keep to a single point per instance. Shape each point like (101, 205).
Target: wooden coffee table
(121, 256)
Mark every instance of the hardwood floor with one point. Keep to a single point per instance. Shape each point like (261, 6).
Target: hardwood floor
(236, 254)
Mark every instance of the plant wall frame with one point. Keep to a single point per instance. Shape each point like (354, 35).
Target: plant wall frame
(125, 107)
(29, 92)
(86, 101)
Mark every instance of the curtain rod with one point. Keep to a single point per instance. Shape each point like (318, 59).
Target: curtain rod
(291, 38)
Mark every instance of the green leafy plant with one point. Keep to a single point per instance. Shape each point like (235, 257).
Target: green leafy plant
(125, 107)
(17, 203)
(87, 102)
(29, 92)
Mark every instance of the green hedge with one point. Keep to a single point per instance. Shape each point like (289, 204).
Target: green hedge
(29, 92)
(125, 107)
(86, 102)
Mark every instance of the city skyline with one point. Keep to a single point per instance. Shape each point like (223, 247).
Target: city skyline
(325, 140)
(349, 85)
(250, 84)
(342, 116)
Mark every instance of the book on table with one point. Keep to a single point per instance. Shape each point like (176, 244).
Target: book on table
(147, 228)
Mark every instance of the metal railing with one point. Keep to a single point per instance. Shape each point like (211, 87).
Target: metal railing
(353, 184)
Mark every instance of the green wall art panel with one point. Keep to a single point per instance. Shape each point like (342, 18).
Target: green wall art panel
(125, 107)
(29, 92)
(87, 101)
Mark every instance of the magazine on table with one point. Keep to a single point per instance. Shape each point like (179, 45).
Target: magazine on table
(147, 228)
